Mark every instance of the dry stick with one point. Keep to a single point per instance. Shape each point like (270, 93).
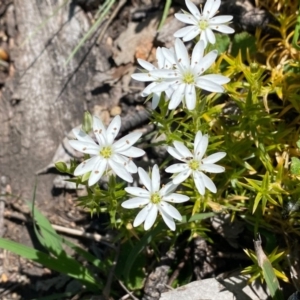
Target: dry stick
(129, 294)
(112, 16)
(3, 184)
(75, 232)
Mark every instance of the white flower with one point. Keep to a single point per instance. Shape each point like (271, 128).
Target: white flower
(187, 75)
(156, 199)
(146, 76)
(195, 164)
(107, 153)
(203, 23)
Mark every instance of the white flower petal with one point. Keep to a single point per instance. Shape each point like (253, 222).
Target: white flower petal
(183, 150)
(183, 32)
(215, 78)
(197, 140)
(182, 176)
(192, 34)
(170, 210)
(99, 130)
(167, 189)
(177, 96)
(126, 162)
(208, 183)
(222, 28)
(155, 179)
(160, 58)
(210, 35)
(97, 172)
(146, 65)
(197, 54)
(85, 147)
(211, 7)
(208, 85)
(203, 38)
(151, 217)
(133, 152)
(182, 55)
(212, 168)
(155, 100)
(186, 18)
(145, 179)
(201, 147)
(176, 198)
(169, 56)
(113, 129)
(213, 158)
(126, 142)
(144, 77)
(142, 215)
(147, 90)
(120, 170)
(165, 73)
(220, 19)
(135, 202)
(172, 151)
(137, 191)
(206, 62)
(167, 219)
(176, 168)
(190, 96)
(82, 136)
(193, 9)
(199, 183)
(86, 166)
(162, 86)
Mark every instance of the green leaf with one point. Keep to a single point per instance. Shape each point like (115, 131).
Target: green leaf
(61, 167)
(165, 14)
(197, 217)
(298, 144)
(241, 42)
(87, 123)
(295, 166)
(63, 264)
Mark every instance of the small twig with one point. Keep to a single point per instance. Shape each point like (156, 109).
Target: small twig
(112, 16)
(130, 294)
(3, 184)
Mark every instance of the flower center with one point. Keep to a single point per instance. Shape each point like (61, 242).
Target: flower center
(194, 164)
(203, 24)
(188, 78)
(155, 198)
(106, 152)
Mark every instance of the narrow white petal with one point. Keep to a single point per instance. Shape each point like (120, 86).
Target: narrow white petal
(177, 96)
(97, 172)
(183, 150)
(99, 130)
(133, 152)
(222, 28)
(182, 176)
(135, 202)
(85, 147)
(215, 78)
(213, 158)
(160, 58)
(155, 179)
(186, 18)
(151, 217)
(193, 8)
(201, 147)
(212, 168)
(210, 8)
(172, 151)
(165, 73)
(183, 32)
(147, 90)
(197, 140)
(162, 86)
(167, 189)
(192, 34)
(142, 215)
(113, 129)
(130, 166)
(197, 54)
(167, 219)
(145, 179)
(208, 183)
(120, 170)
(208, 85)
(146, 65)
(199, 183)
(169, 56)
(126, 142)
(82, 136)
(170, 210)
(176, 168)
(86, 166)
(206, 62)
(210, 35)
(137, 191)
(203, 38)
(190, 97)
(155, 100)
(182, 55)
(220, 20)
(144, 77)
(176, 198)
